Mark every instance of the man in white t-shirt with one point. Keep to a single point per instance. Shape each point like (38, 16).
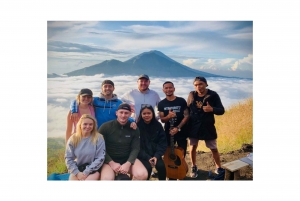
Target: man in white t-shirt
(141, 96)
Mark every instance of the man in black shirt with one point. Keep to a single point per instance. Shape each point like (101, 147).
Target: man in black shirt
(203, 104)
(174, 110)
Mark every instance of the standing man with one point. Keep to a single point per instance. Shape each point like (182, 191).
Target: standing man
(174, 110)
(105, 105)
(122, 147)
(141, 96)
(173, 107)
(203, 104)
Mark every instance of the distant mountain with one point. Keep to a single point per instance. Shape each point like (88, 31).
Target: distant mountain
(153, 63)
(53, 75)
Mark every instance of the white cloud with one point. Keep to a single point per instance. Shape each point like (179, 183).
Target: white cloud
(245, 63)
(189, 62)
(62, 90)
(235, 66)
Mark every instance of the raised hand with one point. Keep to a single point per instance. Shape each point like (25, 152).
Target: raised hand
(207, 108)
(171, 114)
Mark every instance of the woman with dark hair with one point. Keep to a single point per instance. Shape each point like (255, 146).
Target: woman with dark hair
(153, 142)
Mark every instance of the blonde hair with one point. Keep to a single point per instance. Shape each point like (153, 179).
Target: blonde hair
(77, 136)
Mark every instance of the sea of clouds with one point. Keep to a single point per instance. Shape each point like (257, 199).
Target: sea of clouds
(60, 92)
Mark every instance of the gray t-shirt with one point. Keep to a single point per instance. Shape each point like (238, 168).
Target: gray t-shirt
(85, 152)
(137, 98)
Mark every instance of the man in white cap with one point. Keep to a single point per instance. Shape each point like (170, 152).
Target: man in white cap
(141, 96)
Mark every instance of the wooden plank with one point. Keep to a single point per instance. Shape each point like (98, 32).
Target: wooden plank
(235, 165)
(228, 175)
(236, 175)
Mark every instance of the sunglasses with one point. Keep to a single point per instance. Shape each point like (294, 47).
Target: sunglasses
(146, 106)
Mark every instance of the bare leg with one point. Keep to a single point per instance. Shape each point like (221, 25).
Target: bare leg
(107, 173)
(94, 176)
(216, 156)
(138, 171)
(193, 149)
(73, 177)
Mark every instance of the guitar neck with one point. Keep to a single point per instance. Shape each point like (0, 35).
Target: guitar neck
(171, 136)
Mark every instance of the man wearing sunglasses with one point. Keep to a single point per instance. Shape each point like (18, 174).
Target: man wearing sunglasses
(141, 96)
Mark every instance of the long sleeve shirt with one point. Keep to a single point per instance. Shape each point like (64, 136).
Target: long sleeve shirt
(122, 142)
(85, 152)
(153, 141)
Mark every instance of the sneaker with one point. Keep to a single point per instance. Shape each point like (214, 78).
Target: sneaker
(219, 170)
(194, 173)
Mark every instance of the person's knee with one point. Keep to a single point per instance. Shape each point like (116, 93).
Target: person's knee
(95, 176)
(72, 177)
(141, 174)
(107, 177)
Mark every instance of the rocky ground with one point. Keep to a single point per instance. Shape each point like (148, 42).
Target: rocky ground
(205, 163)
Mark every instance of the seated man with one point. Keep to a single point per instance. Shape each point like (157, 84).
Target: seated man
(122, 147)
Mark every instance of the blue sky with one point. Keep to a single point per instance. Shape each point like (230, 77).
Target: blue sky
(219, 47)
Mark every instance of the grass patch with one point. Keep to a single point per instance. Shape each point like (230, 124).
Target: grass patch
(55, 156)
(234, 128)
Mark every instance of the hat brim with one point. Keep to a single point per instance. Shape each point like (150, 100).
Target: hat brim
(144, 77)
(86, 94)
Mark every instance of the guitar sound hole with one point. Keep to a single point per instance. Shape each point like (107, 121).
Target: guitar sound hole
(172, 157)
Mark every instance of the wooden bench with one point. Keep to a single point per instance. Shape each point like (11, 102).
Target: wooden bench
(232, 169)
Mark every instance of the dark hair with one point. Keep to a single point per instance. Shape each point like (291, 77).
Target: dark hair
(168, 82)
(152, 127)
(147, 106)
(108, 82)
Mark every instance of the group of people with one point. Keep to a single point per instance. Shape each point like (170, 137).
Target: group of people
(113, 136)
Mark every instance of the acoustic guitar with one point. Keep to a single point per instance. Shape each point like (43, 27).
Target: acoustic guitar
(175, 163)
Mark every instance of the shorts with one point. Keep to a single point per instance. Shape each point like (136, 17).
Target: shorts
(211, 144)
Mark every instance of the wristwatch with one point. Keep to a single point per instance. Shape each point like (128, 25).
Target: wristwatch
(178, 128)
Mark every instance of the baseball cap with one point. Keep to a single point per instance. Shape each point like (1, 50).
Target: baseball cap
(85, 92)
(200, 79)
(124, 106)
(144, 76)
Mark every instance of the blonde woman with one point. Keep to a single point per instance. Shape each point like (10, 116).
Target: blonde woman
(84, 100)
(85, 151)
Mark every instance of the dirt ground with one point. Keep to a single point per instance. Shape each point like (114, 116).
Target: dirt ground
(205, 163)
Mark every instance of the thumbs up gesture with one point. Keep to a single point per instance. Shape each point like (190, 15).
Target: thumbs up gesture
(207, 108)
(171, 114)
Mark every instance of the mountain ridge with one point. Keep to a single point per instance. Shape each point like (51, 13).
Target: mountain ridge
(153, 63)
